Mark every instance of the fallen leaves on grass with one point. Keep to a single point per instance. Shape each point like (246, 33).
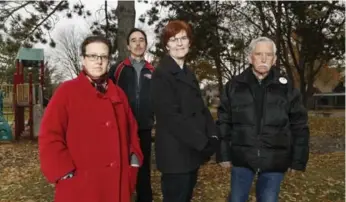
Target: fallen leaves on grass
(22, 181)
(327, 126)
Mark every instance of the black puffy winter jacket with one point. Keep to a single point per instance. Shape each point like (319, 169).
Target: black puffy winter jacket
(263, 126)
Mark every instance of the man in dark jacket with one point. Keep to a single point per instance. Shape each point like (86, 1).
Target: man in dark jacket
(133, 75)
(263, 126)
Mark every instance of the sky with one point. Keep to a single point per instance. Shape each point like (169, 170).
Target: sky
(93, 6)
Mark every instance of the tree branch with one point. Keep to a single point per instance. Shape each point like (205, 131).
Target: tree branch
(249, 19)
(107, 22)
(289, 38)
(258, 4)
(317, 70)
(10, 13)
(42, 21)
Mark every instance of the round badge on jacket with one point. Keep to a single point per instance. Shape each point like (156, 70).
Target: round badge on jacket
(283, 80)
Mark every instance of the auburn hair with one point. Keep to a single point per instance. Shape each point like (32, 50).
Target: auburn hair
(173, 28)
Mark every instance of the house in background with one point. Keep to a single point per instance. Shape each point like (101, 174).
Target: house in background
(330, 86)
(340, 88)
(210, 94)
(329, 90)
(328, 79)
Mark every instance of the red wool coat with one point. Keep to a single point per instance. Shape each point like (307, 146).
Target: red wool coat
(93, 134)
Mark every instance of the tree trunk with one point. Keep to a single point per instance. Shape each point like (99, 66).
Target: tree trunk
(260, 6)
(216, 53)
(126, 15)
(309, 93)
(278, 33)
(107, 21)
(303, 87)
(285, 61)
(219, 72)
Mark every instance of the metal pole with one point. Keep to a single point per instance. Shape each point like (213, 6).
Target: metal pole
(31, 115)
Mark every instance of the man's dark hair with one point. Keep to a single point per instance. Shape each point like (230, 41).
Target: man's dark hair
(93, 39)
(136, 30)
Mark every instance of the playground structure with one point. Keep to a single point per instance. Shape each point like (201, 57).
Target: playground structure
(24, 94)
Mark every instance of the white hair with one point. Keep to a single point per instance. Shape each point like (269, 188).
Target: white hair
(254, 42)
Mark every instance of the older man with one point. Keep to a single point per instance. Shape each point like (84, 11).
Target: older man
(263, 126)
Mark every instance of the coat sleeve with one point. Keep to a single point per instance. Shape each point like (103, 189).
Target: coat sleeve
(224, 124)
(135, 147)
(212, 130)
(134, 144)
(166, 109)
(55, 158)
(300, 132)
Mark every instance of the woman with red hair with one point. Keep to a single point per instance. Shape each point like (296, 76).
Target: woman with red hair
(186, 135)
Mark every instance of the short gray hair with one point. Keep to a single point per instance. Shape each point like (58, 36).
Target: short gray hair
(260, 39)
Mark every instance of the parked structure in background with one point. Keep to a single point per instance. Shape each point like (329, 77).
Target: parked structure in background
(328, 79)
(23, 100)
(210, 94)
(330, 92)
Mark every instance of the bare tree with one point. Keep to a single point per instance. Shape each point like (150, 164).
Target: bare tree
(67, 52)
(53, 72)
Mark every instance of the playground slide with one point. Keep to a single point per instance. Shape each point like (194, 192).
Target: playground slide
(37, 116)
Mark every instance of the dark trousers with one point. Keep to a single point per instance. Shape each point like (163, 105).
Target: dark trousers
(143, 187)
(178, 187)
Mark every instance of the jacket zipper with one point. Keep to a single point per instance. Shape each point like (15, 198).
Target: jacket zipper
(261, 122)
(138, 84)
(259, 134)
(259, 130)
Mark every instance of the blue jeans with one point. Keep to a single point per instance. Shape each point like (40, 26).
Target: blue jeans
(267, 186)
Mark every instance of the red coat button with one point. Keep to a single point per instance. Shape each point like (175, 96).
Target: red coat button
(108, 124)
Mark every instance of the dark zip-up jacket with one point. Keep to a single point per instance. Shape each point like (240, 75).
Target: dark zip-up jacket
(137, 91)
(263, 127)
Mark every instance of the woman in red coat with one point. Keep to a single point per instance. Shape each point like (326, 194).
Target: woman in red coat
(88, 139)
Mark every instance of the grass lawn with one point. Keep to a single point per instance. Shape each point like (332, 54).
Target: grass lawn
(21, 179)
(324, 180)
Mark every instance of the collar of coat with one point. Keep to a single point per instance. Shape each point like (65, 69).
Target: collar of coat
(185, 75)
(169, 63)
(111, 93)
(245, 76)
(127, 63)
